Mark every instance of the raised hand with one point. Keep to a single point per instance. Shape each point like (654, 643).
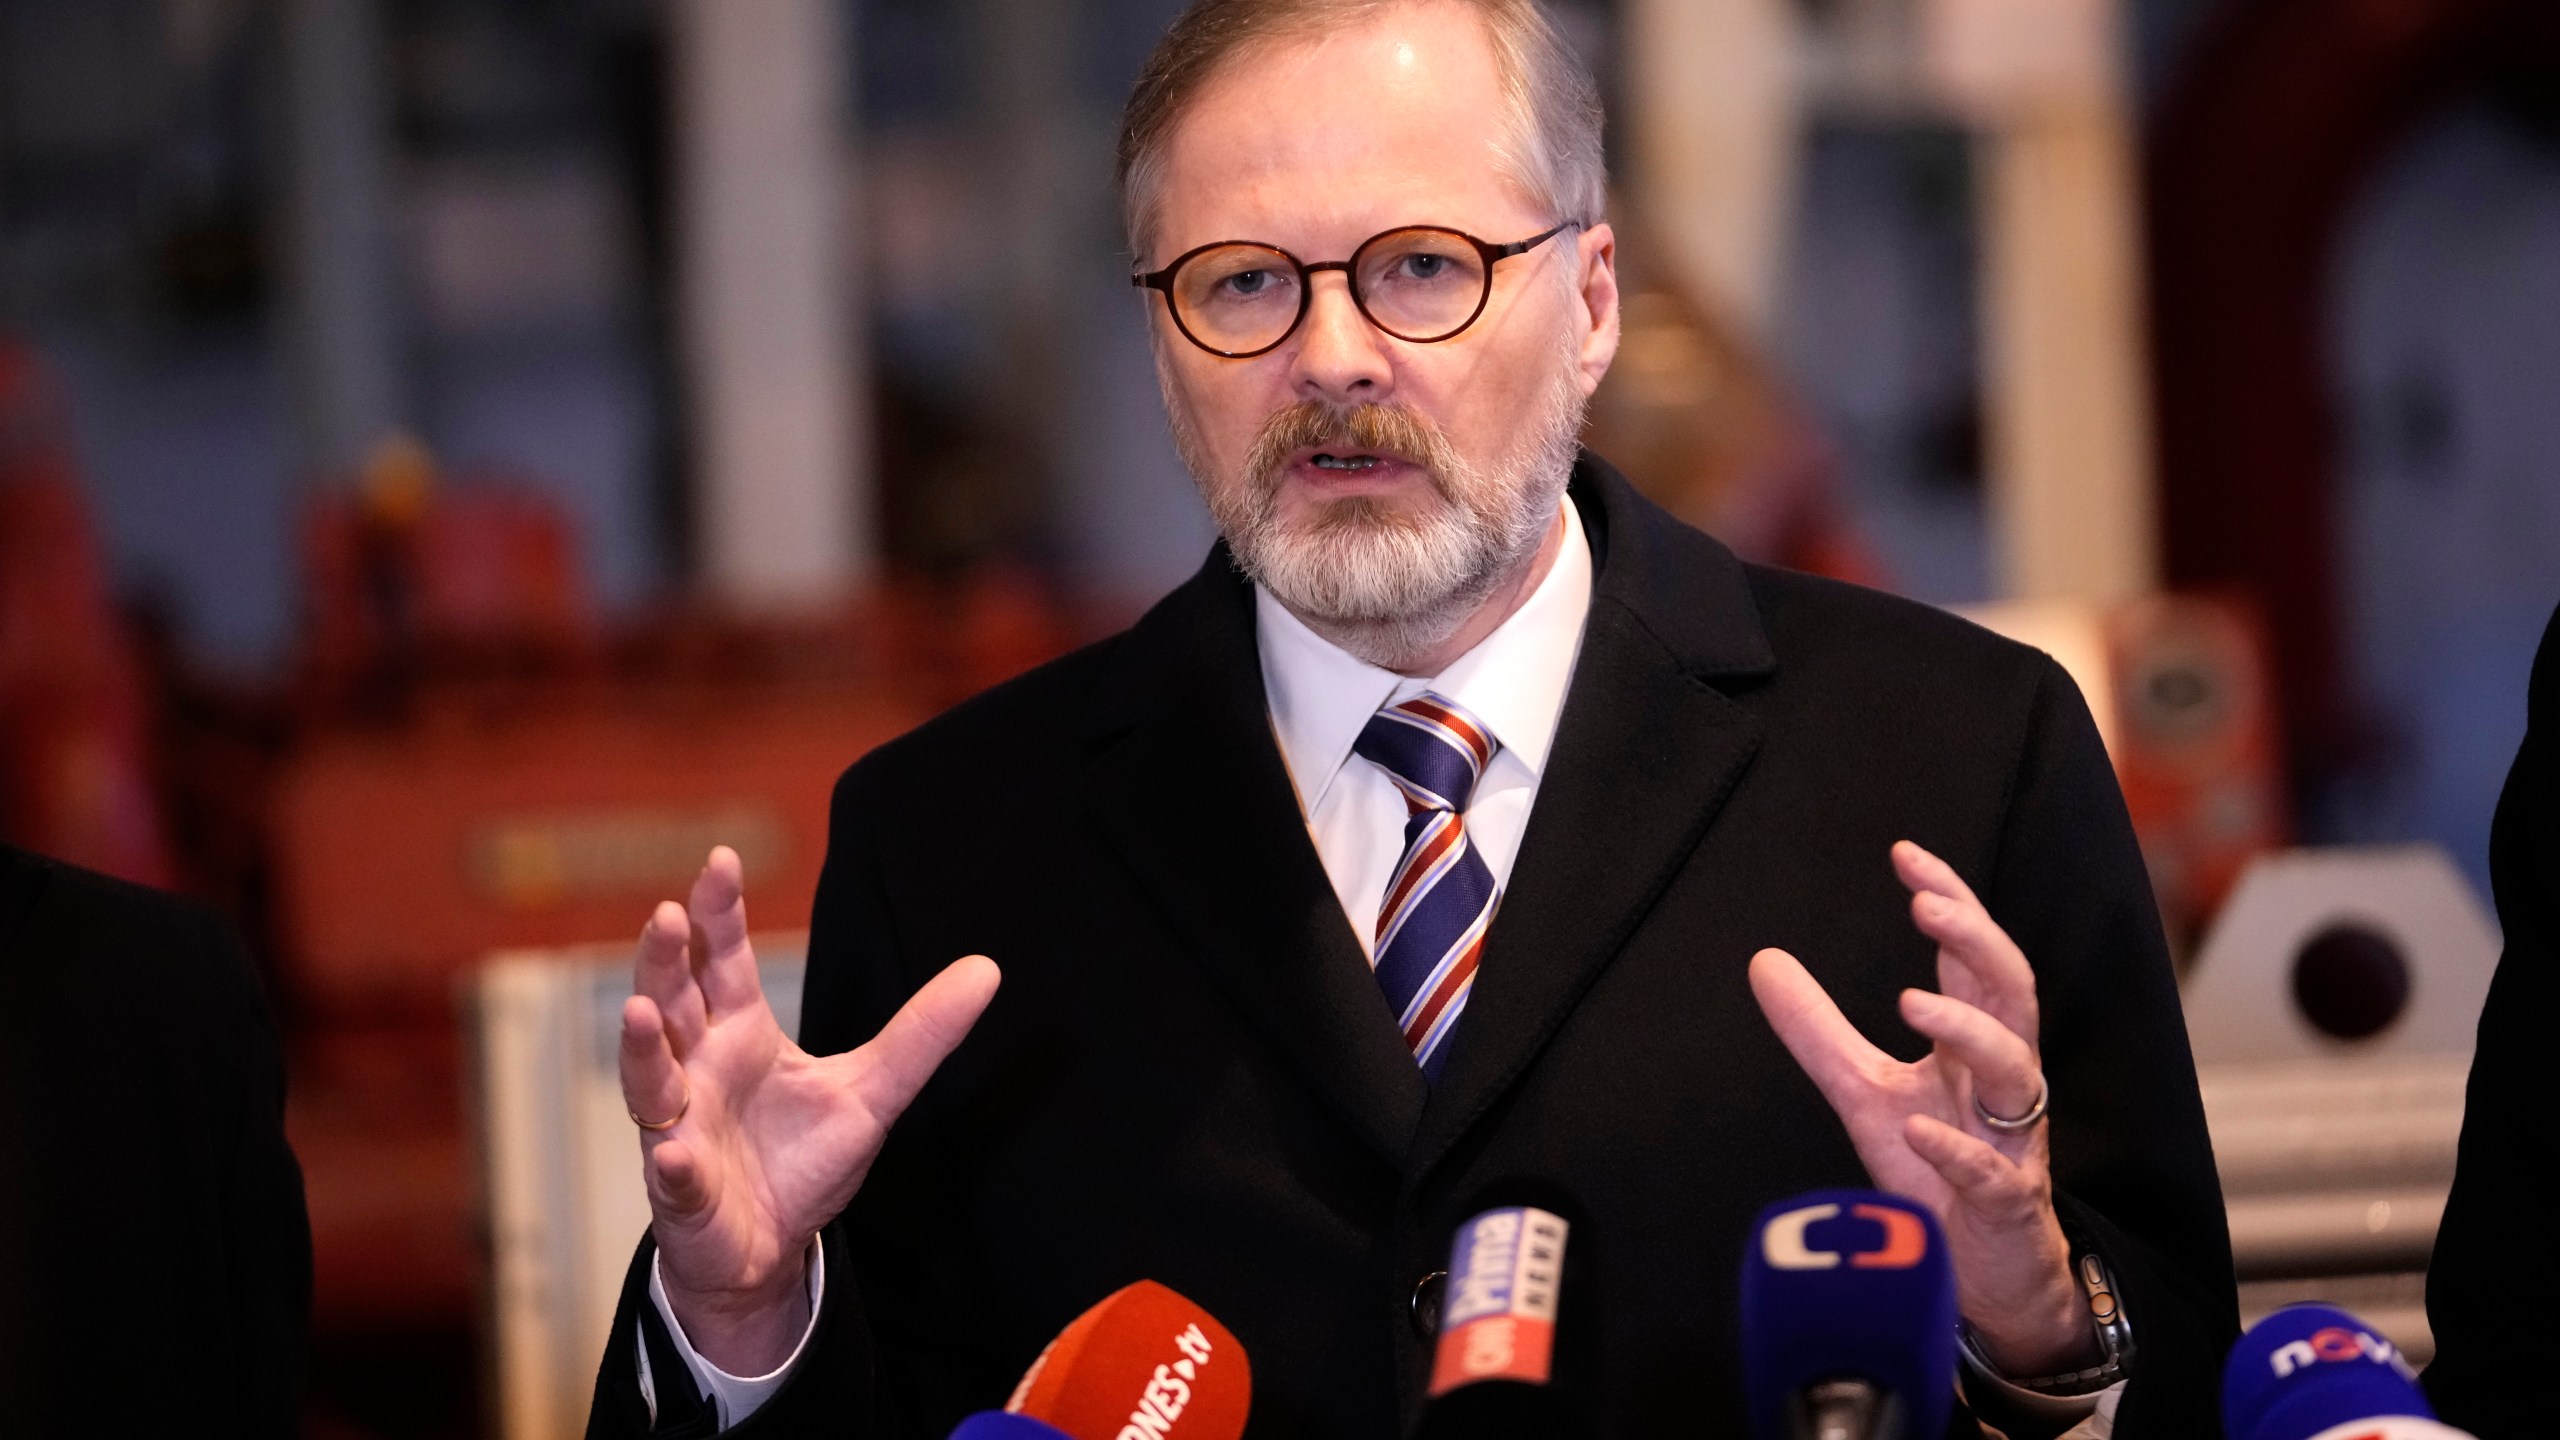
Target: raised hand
(1918, 1128)
(749, 1143)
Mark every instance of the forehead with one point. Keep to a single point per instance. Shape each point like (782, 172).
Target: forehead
(1316, 144)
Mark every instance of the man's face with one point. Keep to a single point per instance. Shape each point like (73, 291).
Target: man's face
(1368, 480)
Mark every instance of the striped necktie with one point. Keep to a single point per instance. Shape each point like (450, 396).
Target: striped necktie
(1432, 922)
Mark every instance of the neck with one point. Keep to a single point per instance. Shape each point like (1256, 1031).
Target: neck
(1419, 658)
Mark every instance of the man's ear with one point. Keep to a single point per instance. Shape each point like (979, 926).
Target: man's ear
(1596, 252)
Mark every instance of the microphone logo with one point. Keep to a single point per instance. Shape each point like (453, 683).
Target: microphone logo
(1168, 1392)
(1784, 1245)
(2336, 1344)
(1501, 1317)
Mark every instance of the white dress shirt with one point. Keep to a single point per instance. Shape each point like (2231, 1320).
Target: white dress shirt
(1514, 680)
(1320, 697)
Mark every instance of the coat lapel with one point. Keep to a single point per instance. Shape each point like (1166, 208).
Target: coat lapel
(1188, 786)
(1645, 754)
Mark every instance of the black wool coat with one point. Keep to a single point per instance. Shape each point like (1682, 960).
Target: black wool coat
(155, 1257)
(1189, 1074)
(2489, 1288)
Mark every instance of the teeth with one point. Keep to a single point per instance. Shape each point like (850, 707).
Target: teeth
(1346, 462)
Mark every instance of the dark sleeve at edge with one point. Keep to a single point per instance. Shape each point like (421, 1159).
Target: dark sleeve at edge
(2488, 1286)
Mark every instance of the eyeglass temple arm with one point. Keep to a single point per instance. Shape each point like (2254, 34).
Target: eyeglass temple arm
(1522, 247)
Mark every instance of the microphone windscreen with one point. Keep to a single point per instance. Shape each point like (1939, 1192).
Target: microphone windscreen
(1144, 1364)
(1498, 1320)
(1000, 1425)
(1848, 1284)
(2309, 1368)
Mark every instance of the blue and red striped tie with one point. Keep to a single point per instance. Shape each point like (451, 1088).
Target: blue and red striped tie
(1432, 922)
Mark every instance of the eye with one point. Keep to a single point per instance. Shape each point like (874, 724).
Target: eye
(1425, 267)
(1246, 283)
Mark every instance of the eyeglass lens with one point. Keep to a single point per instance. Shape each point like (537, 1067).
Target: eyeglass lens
(1417, 284)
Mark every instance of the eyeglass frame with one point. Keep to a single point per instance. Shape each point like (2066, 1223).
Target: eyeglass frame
(1162, 282)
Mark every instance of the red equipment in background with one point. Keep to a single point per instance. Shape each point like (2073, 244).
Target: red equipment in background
(2197, 748)
(75, 781)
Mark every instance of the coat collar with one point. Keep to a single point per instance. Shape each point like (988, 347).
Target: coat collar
(1647, 751)
(1644, 754)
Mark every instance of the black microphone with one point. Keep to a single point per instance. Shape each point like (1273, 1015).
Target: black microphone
(1518, 1277)
(1848, 1319)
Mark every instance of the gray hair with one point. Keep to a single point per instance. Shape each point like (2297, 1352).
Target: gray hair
(1549, 143)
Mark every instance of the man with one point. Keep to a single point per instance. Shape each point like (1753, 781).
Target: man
(1438, 848)
(2491, 1270)
(155, 1261)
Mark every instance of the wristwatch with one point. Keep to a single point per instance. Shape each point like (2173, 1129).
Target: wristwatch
(2106, 1319)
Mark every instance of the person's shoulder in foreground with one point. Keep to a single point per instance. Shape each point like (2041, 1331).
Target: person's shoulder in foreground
(153, 1223)
(2492, 1271)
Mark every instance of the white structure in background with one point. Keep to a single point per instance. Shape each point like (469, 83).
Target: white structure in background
(2337, 1153)
(1714, 130)
(1717, 92)
(2069, 402)
(783, 483)
(560, 1167)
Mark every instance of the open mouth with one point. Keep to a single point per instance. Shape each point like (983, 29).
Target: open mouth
(1326, 460)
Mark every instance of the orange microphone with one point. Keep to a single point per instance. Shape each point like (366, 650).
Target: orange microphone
(1144, 1364)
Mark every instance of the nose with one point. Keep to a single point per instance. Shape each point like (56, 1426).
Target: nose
(1340, 357)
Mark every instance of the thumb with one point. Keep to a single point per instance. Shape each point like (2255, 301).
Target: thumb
(906, 1052)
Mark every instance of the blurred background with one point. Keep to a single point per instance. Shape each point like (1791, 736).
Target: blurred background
(461, 458)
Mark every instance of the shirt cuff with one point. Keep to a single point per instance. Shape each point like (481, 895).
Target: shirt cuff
(733, 1397)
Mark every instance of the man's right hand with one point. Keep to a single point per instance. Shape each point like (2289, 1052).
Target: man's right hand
(772, 1141)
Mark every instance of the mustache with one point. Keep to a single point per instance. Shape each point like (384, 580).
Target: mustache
(1371, 429)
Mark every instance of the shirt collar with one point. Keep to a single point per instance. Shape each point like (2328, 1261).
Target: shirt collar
(1514, 680)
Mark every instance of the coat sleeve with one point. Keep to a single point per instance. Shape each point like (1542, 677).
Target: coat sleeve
(2132, 1163)
(891, 1244)
(2487, 1287)
(266, 1225)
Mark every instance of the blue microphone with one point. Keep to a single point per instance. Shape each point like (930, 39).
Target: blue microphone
(1848, 1319)
(998, 1425)
(2309, 1369)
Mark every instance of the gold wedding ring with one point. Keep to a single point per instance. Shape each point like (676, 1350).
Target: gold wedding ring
(687, 1104)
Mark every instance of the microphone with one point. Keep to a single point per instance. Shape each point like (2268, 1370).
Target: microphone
(1848, 1319)
(1495, 1371)
(1143, 1364)
(2315, 1372)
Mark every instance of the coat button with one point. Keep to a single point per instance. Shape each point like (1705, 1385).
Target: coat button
(1426, 1303)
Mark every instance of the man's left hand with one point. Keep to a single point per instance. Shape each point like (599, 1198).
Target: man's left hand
(1917, 1129)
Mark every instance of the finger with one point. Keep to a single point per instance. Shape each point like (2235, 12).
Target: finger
(906, 1052)
(2003, 1067)
(663, 974)
(1998, 1190)
(1921, 870)
(1830, 1049)
(1996, 974)
(675, 1180)
(724, 964)
(653, 1084)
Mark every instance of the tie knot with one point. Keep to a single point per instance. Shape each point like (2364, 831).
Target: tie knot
(1433, 750)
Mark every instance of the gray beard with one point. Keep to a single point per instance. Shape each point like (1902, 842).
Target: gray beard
(1384, 585)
